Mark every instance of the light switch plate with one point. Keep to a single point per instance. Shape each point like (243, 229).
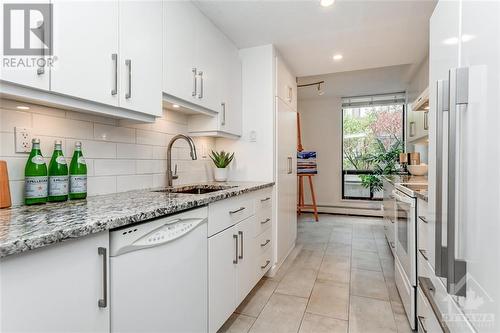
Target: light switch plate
(253, 136)
(23, 136)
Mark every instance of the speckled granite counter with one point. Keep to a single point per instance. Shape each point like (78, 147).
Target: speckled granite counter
(398, 180)
(25, 228)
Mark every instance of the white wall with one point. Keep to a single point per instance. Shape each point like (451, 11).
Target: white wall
(120, 156)
(254, 160)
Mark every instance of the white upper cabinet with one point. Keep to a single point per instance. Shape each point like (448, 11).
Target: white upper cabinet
(34, 77)
(286, 84)
(87, 55)
(140, 60)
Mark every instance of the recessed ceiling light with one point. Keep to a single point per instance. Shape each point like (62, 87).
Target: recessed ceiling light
(22, 107)
(176, 106)
(326, 3)
(338, 57)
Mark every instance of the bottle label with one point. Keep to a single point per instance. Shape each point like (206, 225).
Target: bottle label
(61, 160)
(78, 184)
(35, 187)
(58, 185)
(81, 160)
(37, 159)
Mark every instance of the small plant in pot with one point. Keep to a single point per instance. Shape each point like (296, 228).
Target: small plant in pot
(221, 160)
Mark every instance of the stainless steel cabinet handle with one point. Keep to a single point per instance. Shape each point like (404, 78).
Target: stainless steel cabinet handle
(128, 63)
(457, 269)
(103, 302)
(195, 81)
(41, 70)
(426, 120)
(241, 244)
(223, 121)
(290, 166)
(237, 210)
(267, 263)
(442, 90)
(423, 253)
(392, 244)
(421, 322)
(265, 221)
(266, 199)
(267, 242)
(235, 261)
(114, 57)
(423, 218)
(200, 94)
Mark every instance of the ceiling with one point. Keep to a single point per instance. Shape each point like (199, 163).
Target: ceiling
(369, 34)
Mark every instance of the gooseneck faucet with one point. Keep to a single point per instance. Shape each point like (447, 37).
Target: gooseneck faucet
(173, 175)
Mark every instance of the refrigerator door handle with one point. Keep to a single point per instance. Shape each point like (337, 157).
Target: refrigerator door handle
(458, 96)
(440, 259)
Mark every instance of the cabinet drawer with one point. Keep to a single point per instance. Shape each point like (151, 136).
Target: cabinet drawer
(426, 320)
(264, 241)
(225, 213)
(265, 262)
(264, 202)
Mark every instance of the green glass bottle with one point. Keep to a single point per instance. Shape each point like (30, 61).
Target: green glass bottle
(77, 174)
(58, 175)
(35, 176)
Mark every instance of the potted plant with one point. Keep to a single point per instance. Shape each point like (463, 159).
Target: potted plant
(221, 160)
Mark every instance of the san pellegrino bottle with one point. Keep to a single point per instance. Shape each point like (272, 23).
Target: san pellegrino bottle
(78, 174)
(58, 175)
(35, 176)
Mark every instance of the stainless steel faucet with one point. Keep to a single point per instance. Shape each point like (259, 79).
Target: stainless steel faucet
(173, 175)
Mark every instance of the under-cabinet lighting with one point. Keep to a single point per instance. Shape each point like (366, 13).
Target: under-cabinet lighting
(326, 3)
(22, 107)
(338, 57)
(175, 106)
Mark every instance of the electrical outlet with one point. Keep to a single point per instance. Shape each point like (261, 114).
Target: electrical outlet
(23, 137)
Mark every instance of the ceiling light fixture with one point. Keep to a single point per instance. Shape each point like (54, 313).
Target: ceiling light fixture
(326, 3)
(175, 106)
(22, 107)
(338, 57)
(317, 84)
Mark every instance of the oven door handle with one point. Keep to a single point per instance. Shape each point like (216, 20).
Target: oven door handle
(402, 198)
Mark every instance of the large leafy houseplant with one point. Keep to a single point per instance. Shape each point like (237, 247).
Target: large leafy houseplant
(384, 161)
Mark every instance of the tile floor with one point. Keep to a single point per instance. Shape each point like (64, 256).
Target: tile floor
(339, 278)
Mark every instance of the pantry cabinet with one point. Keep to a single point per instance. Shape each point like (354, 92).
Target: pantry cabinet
(58, 288)
(417, 124)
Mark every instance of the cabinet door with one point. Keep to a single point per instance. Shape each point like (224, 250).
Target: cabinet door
(56, 288)
(87, 54)
(140, 60)
(231, 115)
(222, 272)
(247, 258)
(179, 49)
(26, 76)
(210, 43)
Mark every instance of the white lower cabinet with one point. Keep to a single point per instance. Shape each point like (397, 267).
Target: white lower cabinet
(59, 288)
(238, 256)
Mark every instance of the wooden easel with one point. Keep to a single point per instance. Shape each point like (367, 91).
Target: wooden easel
(300, 177)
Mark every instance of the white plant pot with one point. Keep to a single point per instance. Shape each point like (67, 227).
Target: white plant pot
(220, 174)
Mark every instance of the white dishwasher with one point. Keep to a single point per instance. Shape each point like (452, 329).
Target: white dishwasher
(158, 275)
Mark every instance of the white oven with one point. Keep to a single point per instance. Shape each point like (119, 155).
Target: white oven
(406, 251)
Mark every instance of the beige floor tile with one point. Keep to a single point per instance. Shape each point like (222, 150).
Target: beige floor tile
(341, 237)
(368, 284)
(287, 263)
(366, 260)
(384, 252)
(339, 249)
(319, 324)
(392, 290)
(364, 244)
(370, 315)
(329, 299)
(335, 268)
(310, 259)
(237, 323)
(400, 317)
(253, 304)
(282, 313)
(298, 281)
(387, 267)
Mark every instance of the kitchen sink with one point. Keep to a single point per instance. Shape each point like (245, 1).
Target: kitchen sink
(196, 189)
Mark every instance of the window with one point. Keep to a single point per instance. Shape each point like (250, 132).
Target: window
(372, 138)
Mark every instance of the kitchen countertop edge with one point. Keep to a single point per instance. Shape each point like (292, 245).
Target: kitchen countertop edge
(12, 219)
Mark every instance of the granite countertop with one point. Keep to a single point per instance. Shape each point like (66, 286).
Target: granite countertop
(399, 180)
(26, 228)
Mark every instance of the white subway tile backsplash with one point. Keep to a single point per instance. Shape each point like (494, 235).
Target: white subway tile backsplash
(121, 155)
(114, 167)
(128, 183)
(113, 133)
(132, 151)
(101, 185)
(49, 126)
(10, 119)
